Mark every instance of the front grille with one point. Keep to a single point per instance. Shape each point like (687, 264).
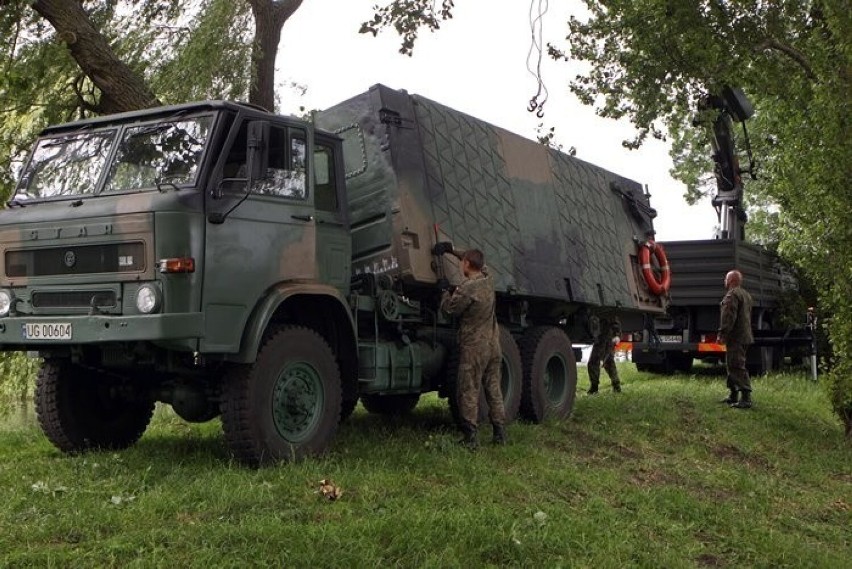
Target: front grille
(70, 299)
(76, 260)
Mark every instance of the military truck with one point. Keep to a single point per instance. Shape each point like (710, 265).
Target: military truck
(688, 331)
(272, 271)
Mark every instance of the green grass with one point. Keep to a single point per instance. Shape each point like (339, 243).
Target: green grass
(659, 476)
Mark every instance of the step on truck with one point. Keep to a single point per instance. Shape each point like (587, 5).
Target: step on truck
(273, 271)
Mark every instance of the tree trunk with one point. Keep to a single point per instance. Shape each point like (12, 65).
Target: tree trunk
(121, 88)
(269, 18)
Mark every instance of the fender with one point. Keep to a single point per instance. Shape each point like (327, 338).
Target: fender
(273, 299)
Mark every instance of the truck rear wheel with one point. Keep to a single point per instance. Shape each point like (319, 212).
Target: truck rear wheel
(550, 374)
(81, 409)
(391, 405)
(511, 381)
(287, 404)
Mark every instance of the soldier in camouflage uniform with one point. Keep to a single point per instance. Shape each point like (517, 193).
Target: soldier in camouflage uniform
(479, 344)
(735, 333)
(602, 351)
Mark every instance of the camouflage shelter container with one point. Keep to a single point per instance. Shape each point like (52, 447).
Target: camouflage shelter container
(552, 226)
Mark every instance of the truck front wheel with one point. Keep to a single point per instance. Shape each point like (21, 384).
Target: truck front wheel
(287, 404)
(550, 374)
(81, 409)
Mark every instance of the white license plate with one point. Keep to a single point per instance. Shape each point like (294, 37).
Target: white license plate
(671, 339)
(47, 331)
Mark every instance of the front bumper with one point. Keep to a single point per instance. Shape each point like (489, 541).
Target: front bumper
(104, 328)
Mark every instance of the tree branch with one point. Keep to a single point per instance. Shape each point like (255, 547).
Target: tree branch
(121, 88)
(790, 52)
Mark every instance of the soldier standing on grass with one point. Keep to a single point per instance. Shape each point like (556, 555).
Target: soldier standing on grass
(479, 344)
(735, 333)
(602, 351)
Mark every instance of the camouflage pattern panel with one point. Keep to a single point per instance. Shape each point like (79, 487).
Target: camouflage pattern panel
(372, 182)
(552, 226)
(58, 257)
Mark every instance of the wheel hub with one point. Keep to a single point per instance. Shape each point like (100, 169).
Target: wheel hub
(555, 379)
(297, 401)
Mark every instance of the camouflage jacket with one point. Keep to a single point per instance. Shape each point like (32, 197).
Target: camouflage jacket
(611, 327)
(473, 303)
(735, 320)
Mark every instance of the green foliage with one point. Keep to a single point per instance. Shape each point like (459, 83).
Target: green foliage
(407, 18)
(17, 380)
(659, 476)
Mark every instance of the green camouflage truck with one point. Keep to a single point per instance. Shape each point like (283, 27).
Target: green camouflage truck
(273, 272)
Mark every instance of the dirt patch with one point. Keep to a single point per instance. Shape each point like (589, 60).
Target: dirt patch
(579, 443)
(843, 477)
(649, 477)
(687, 414)
(709, 560)
(708, 494)
(732, 452)
(629, 452)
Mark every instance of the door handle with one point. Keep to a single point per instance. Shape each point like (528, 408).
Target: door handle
(305, 218)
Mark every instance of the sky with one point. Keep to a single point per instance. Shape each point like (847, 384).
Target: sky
(477, 64)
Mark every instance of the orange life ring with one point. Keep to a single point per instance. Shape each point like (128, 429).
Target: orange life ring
(661, 286)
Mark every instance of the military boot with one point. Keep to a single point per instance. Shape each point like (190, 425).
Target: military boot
(499, 437)
(593, 389)
(732, 396)
(731, 399)
(616, 387)
(745, 400)
(469, 438)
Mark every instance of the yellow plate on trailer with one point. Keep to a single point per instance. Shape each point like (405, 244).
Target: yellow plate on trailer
(47, 331)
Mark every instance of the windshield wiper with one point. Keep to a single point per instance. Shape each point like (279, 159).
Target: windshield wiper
(61, 140)
(16, 202)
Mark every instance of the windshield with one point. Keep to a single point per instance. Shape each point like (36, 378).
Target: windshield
(163, 153)
(66, 165)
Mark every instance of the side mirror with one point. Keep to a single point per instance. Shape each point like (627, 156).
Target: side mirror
(258, 158)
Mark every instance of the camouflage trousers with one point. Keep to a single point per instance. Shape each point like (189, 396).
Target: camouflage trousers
(602, 351)
(479, 368)
(735, 361)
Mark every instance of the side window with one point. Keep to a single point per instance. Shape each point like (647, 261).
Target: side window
(325, 188)
(285, 176)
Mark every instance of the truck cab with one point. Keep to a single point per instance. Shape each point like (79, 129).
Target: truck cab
(146, 255)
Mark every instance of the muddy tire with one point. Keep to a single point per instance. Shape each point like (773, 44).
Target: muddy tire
(390, 405)
(549, 374)
(81, 409)
(287, 404)
(511, 381)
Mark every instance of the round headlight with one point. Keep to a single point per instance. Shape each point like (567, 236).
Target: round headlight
(5, 301)
(148, 299)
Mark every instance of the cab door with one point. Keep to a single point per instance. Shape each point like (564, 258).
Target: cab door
(269, 236)
(332, 228)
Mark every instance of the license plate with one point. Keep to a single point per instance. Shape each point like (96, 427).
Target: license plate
(47, 331)
(671, 339)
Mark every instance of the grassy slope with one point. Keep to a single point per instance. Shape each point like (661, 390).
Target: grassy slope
(660, 476)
